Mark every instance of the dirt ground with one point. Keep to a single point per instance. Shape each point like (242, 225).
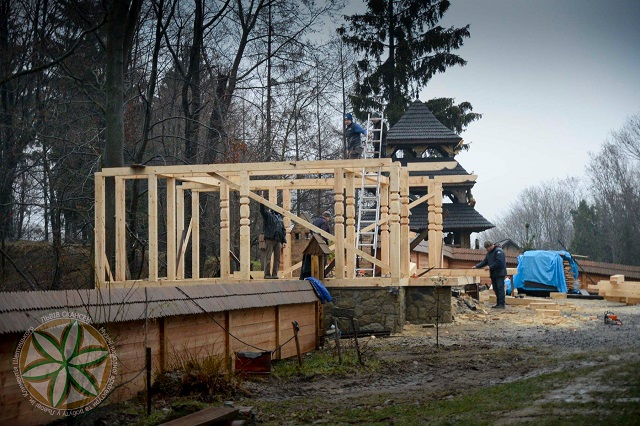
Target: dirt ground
(481, 348)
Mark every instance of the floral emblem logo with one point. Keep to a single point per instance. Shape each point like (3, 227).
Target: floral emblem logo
(65, 365)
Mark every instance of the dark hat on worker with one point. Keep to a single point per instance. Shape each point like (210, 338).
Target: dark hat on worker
(348, 116)
(376, 114)
(326, 214)
(487, 244)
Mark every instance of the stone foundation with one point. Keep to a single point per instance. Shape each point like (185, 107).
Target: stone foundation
(386, 309)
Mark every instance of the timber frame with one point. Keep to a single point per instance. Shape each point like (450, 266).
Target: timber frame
(342, 177)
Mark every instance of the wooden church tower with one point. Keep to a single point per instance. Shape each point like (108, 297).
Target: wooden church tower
(418, 137)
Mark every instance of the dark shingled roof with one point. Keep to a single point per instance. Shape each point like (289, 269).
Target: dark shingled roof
(21, 310)
(457, 216)
(418, 126)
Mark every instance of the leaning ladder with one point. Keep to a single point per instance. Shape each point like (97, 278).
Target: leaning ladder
(369, 200)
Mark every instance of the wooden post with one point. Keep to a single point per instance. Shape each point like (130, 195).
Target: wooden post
(337, 337)
(171, 229)
(278, 333)
(225, 236)
(296, 328)
(148, 367)
(435, 225)
(245, 228)
(350, 262)
(195, 234)
(180, 231)
(121, 230)
(228, 341)
(394, 220)
(405, 252)
(384, 229)
(286, 258)
(100, 240)
(153, 226)
(338, 208)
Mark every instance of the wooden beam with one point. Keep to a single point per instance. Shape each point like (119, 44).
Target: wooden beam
(338, 208)
(225, 234)
(100, 232)
(394, 221)
(286, 205)
(405, 253)
(449, 179)
(253, 169)
(121, 230)
(195, 234)
(171, 229)
(420, 200)
(245, 227)
(152, 197)
(182, 240)
(350, 222)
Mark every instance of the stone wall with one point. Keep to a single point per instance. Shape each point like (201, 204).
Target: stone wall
(387, 309)
(426, 304)
(377, 309)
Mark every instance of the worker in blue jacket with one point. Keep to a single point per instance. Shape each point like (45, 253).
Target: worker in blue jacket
(496, 262)
(353, 132)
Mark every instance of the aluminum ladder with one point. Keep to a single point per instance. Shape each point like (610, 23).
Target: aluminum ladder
(368, 197)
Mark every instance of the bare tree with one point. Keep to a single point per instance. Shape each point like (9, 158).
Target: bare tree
(546, 209)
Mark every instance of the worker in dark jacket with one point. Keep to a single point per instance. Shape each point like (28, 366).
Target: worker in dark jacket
(275, 239)
(353, 133)
(496, 262)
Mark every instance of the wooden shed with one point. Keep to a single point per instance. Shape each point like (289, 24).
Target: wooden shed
(198, 321)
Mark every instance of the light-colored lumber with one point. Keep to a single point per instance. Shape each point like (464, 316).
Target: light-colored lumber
(152, 197)
(548, 312)
(557, 295)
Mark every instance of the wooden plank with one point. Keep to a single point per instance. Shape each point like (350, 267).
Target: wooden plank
(206, 417)
(548, 312)
(245, 227)
(152, 198)
(182, 238)
(225, 233)
(256, 169)
(286, 258)
(172, 259)
(557, 295)
(195, 234)
(100, 236)
(617, 279)
(121, 231)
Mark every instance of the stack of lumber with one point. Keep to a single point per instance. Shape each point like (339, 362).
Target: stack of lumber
(618, 290)
(568, 276)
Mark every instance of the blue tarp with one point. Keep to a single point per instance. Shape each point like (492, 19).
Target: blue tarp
(321, 290)
(544, 267)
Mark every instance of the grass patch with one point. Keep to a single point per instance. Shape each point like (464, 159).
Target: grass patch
(323, 363)
(478, 407)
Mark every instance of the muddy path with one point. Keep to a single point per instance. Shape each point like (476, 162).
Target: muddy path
(480, 348)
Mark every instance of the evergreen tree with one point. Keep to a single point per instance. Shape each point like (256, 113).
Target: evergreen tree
(586, 236)
(405, 32)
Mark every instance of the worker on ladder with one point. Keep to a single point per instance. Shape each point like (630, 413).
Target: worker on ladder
(353, 133)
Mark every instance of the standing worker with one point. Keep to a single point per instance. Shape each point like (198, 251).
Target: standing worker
(275, 239)
(496, 262)
(353, 132)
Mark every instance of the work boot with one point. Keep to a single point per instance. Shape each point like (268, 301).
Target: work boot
(498, 307)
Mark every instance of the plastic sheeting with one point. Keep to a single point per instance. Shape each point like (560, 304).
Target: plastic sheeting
(544, 267)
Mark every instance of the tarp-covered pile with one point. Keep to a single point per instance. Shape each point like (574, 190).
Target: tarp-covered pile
(544, 267)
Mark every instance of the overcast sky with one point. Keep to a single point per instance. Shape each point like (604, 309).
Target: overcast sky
(552, 78)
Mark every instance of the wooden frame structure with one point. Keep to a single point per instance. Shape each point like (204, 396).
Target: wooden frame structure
(342, 177)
